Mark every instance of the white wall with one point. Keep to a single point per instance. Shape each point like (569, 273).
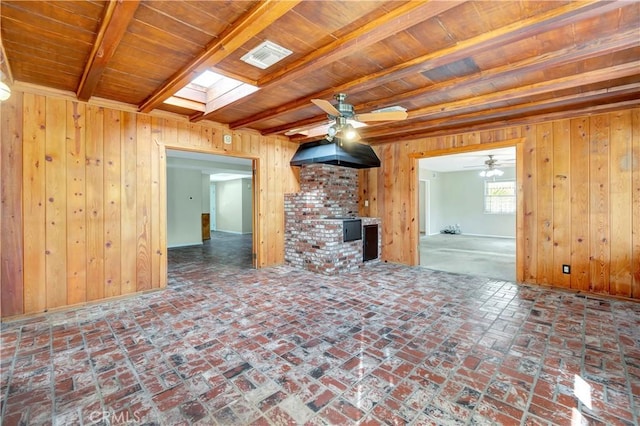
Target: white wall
(229, 206)
(437, 218)
(462, 201)
(206, 198)
(234, 211)
(184, 207)
(421, 206)
(212, 205)
(247, 206)
(458, 198)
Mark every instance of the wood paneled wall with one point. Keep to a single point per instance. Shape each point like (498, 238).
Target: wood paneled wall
(84, 198)
(580, 189)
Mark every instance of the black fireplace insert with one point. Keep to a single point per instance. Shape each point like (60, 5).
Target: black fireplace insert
(351, 230)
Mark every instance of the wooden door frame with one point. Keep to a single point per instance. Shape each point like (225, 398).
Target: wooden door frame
(518, 144)
(255, 183)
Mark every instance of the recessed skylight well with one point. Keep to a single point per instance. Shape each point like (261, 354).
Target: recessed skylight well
(206, 79)
(210, 91)
(266, 54)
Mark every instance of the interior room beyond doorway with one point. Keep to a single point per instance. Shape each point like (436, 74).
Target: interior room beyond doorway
(209, 210)
(467, 211)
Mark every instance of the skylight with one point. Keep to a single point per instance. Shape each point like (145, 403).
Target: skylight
(206, 79)
(210, 91)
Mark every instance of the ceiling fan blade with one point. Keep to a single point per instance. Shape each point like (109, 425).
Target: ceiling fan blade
(326, 107)
(382, 116)
(310, 129)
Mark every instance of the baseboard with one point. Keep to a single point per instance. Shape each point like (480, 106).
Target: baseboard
(184, 245)
(233, 232)
(490, 236)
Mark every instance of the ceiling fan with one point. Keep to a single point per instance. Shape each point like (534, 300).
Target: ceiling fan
(343, 120)
(491, 167)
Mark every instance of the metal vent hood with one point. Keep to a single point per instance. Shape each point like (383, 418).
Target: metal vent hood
(347, 154)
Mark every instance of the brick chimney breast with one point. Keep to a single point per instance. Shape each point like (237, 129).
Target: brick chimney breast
(313, 235)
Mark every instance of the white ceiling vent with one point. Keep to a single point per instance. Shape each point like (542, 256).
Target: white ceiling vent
(266, 54)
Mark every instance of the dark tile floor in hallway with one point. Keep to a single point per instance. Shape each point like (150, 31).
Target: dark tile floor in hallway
(279, 346)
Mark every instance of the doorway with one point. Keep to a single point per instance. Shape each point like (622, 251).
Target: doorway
(469, 200)
(220, 188)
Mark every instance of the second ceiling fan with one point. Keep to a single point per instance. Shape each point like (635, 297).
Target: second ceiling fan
(344, 120)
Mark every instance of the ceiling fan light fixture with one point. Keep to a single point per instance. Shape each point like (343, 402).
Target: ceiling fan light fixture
(349, 132)
(491, 173)
(331, 133)
(5, 92)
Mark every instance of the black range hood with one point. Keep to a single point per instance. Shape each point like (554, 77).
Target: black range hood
(338, 153)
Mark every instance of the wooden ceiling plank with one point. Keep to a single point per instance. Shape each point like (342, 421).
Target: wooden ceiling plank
(249, 25)
(511, 33)
(593, 48)
(591, 96)
(116, 19)
(397, 20)
(516, 93)
(599, 47)
(510, 121)
(602, 74)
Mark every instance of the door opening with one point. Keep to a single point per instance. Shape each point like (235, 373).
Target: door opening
(220, 188)
(461, 234)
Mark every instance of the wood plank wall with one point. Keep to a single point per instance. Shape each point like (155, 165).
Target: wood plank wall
(84, 195)
(580, 190)
(82, 189)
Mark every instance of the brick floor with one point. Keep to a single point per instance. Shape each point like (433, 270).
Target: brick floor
(279, 346)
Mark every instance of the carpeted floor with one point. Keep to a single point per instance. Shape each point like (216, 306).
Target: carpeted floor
(467, 254)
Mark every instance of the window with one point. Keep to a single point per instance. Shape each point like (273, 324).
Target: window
(500, 197)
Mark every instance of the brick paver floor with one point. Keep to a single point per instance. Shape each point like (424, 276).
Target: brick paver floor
(279, 346)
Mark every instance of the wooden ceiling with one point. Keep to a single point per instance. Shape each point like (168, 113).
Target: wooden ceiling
(453, 65)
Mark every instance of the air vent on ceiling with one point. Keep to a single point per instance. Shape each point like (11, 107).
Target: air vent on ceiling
(266, 54)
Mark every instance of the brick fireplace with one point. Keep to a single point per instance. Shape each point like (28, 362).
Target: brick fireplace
(315, 221)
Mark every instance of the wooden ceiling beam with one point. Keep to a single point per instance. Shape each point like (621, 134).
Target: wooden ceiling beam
(116, 19)
(523, 92)
(397, 20)
(511, 33)
(249, 25)
(588, 50)
(467, 126)
(497, 114)
(616, 42)
(515, 93)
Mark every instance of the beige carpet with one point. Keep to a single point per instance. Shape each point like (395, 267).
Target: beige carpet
(481, 256)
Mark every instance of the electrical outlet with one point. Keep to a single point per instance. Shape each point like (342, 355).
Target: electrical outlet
(566, 269)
